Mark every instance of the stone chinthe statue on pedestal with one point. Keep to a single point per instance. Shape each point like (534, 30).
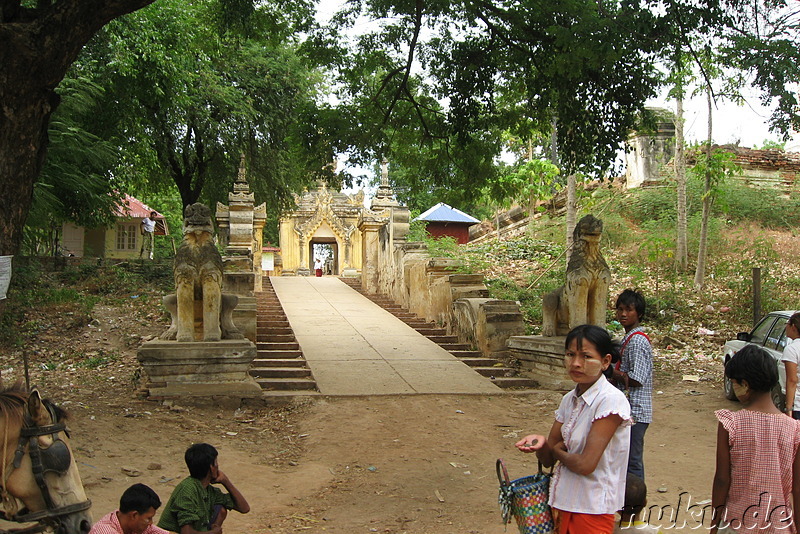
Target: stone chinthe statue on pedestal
(202, 354)
(583, 298)
(198, 298)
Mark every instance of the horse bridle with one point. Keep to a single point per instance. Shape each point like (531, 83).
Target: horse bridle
(55, 458)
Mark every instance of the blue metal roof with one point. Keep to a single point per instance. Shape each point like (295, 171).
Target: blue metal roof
(441, 212)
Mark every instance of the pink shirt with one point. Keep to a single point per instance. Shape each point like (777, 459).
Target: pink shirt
(603, 491)
(109, 524)
(763, 447)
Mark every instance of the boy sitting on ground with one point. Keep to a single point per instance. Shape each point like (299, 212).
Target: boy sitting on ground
(635, 501)
(195, 506)
(137, 506)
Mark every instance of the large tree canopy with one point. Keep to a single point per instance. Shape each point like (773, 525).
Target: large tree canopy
(431, 88)
(185, 97)
(448, 77)
(445, 78)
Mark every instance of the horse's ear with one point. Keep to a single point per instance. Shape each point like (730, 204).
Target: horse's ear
(36, 408)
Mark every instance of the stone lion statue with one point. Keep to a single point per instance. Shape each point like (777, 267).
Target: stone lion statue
(198, 303)
(584, 296)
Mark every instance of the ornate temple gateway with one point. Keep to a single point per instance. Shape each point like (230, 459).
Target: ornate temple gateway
(322, 217)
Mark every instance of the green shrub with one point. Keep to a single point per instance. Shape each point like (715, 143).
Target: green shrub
(417, 232)
(768, 207)
(737, 201)
(470, 261)
(530, 300)
(616, 230)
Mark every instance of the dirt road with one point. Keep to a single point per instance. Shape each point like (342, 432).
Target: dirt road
(416, 464)
(400, 464)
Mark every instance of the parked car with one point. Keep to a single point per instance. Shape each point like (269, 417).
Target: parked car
(770, 334)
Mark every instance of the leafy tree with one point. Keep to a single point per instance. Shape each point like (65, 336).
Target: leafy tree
(712, 167)
(680, 77)
(447, 78)
(531, 182)
(507, 66)
(75, 184)
(185, 99)
(761, 38)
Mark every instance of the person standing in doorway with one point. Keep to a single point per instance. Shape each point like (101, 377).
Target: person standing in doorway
(318, 266)
(148, 235)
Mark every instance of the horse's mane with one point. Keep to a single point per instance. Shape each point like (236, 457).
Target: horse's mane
(13, 400)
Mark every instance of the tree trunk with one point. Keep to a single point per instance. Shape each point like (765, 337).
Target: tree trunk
(571, 211)
(682, 254)
(23, 142)
(532, 196)
(700, 272)
(554, 142)
(37, 46)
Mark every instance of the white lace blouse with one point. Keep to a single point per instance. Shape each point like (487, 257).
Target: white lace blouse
(603, 491)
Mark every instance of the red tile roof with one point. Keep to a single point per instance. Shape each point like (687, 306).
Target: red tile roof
(133, 207)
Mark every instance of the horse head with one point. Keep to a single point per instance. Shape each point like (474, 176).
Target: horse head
(42, 482)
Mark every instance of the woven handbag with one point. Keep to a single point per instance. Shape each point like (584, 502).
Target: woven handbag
(526, 499)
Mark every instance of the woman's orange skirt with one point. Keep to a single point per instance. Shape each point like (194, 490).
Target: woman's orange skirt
(575, 523)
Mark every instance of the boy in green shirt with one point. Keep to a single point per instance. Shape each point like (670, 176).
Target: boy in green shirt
(195, 506)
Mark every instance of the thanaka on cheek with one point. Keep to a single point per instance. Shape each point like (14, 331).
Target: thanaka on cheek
(593, 367)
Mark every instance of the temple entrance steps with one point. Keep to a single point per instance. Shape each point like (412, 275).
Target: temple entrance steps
(279, 367)
(492, 368)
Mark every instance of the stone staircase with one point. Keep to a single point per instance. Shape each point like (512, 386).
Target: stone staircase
(279, 367)
(492, 368)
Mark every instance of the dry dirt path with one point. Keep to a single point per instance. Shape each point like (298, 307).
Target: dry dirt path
(405, 464)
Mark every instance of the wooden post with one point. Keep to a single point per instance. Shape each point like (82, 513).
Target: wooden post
(756, 294)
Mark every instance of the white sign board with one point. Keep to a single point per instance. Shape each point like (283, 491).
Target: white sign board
(268, 261)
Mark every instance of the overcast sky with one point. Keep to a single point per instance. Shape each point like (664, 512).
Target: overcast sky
(730, 123)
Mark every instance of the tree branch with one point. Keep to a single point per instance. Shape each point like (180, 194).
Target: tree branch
(411, 48)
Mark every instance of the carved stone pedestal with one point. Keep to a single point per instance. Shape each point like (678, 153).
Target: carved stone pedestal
(199, 369)
(543, 359)
(246, 316)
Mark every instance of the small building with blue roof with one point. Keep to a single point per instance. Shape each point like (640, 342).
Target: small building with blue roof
(443, 220)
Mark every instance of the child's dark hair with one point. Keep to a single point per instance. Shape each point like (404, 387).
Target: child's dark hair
(794, 320)
(754, 364)
(597, 336)
(632, 297)
(635, 495)
(199, 459)
(139, 498)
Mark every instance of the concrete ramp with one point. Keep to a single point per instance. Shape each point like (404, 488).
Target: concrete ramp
(355, 347)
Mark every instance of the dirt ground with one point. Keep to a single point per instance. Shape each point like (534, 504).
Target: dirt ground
(408, 464)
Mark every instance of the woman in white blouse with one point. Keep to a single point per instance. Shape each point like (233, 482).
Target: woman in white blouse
(589, 439)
